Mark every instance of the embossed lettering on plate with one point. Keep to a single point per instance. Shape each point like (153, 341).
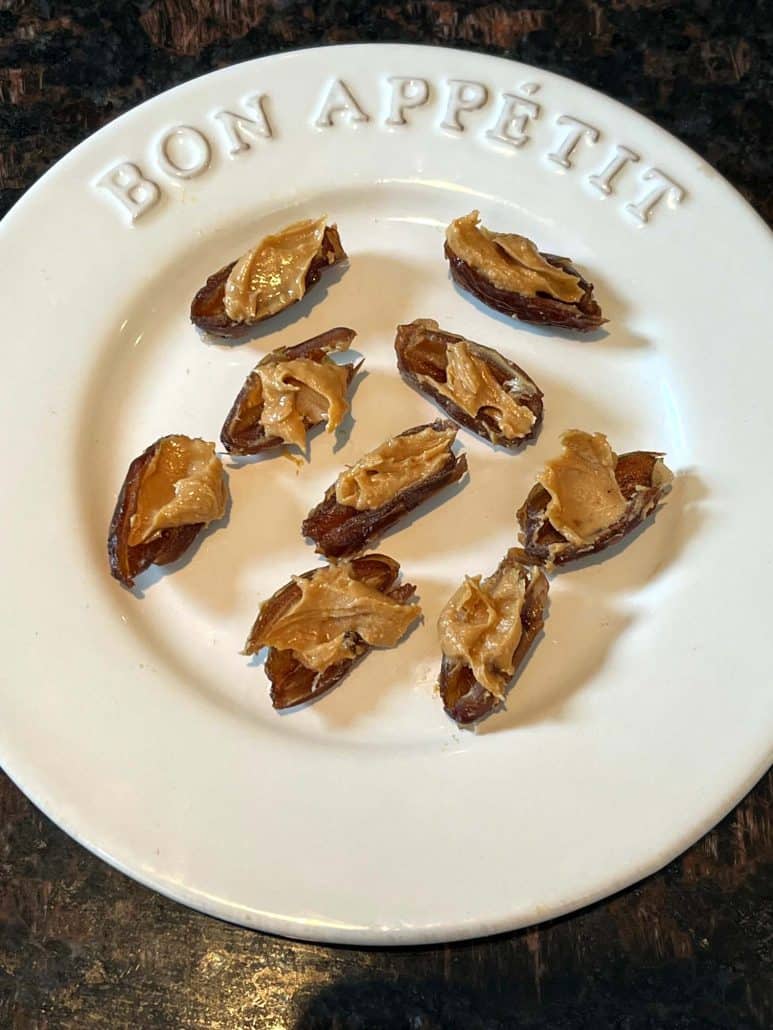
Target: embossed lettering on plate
(514, 116)
(131, 189)
(238, 129)
(664, 186)
(577, 130)
(407, 93)
(183, 152)
(463, 96)
(339, 99)
(603, 180)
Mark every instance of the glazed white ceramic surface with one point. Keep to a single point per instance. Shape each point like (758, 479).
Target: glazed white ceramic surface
(644, 711)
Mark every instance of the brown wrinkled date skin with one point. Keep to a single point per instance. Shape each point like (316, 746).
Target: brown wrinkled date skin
(243, 432)
(541, 308)
(292, 682)
(127, 561)
(422, 358)
(643, 481)
(466, 700)
(208, 306)
(340, 531)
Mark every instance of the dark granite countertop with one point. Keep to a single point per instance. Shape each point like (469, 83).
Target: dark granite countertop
(83, 946)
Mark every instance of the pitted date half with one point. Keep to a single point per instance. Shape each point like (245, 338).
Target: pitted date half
(422, 358)
(643, 482)
(292, 683)
(128, 560)
(340, 531)
(583, 315)
(208, 306)
(243, 431)
(465, 700)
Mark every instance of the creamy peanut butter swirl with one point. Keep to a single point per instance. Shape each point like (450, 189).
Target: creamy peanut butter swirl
(333, 610)
(585, 498)
(481, 625)
(182, 485)
(272, 275)
(472, 385)
(509, 261)
(398, 463)
(297, 394)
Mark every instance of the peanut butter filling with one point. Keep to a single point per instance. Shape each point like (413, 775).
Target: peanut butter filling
(471, 385)
(320, 627)
(394, 466)
(298, 394)
(585, 498)
(481, 625)
(182, 485)
(272, 275)
(508, 261)
(662, 475)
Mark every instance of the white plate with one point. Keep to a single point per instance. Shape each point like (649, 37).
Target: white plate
(644, 713)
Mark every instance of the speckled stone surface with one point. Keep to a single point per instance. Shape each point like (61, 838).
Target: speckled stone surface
(82, 946)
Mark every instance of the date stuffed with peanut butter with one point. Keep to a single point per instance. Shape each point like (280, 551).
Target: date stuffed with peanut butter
(289, 392)
(589, 498)
(475, 385)
(382, 487)
(505, 271)
(171, 492)
(276, 273)
(486, 628)
(321, 623)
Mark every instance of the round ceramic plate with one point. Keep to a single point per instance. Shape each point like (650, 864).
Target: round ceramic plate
(132, 720)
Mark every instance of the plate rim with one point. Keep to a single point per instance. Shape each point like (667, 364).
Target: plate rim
(384, 936)
(629, 111)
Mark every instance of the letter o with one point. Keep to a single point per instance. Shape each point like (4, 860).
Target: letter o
(183, 152)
